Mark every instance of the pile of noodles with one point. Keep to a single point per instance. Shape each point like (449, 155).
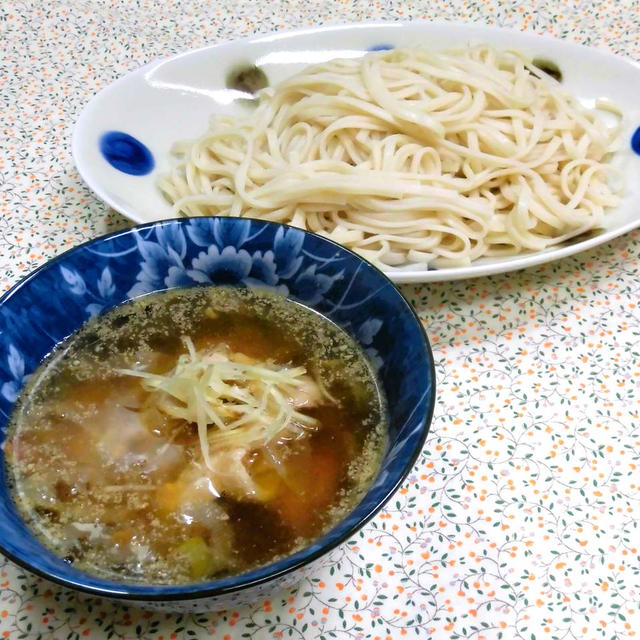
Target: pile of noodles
(409, 156)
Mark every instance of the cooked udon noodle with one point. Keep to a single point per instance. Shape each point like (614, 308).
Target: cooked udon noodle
(409, 156)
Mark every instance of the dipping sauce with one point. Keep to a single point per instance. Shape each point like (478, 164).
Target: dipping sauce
(195, 434)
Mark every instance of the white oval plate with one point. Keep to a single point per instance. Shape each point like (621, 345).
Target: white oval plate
(170, 100)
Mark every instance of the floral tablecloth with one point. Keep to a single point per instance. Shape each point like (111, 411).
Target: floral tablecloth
(520, 519)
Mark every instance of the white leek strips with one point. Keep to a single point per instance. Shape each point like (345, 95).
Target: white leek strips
(237, 403)
(409, 156)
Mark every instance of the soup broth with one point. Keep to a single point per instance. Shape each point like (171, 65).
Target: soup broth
(195, 434)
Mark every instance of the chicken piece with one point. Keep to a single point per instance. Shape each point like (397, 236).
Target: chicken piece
(230, 476)
(227, 476)
(195, 492)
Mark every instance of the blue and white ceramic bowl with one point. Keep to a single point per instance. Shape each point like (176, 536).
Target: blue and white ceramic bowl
(58, 298)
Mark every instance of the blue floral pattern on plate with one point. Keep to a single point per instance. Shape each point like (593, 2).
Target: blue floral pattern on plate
(54, 301)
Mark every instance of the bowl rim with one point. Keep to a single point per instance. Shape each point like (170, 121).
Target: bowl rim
(198, 591)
